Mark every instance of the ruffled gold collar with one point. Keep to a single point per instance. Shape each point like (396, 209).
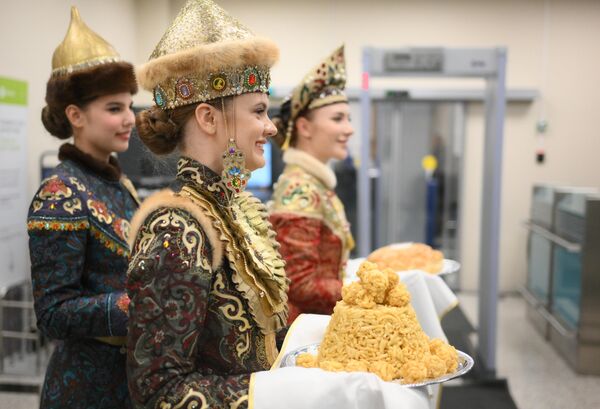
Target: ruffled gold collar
(244, 229)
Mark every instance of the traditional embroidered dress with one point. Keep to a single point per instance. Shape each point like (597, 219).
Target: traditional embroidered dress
(208, 294)
(78, 226)
(313, 232)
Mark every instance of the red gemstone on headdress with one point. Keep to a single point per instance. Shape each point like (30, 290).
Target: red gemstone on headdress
(252, 79)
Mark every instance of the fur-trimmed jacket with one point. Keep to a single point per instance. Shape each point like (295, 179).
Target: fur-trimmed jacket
(313, 231)
(208, 294)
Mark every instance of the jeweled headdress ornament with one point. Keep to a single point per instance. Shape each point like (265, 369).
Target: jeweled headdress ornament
(81, 48)
(323, 85)
(204, 55)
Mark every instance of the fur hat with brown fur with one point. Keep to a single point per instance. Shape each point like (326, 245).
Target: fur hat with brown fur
(80, 88)
(204, 55)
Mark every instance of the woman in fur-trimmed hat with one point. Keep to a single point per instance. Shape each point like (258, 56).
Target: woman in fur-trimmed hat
(207, 285)
(78, 224)
(314, 127)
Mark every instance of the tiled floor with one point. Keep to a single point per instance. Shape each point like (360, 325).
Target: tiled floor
(538, 377)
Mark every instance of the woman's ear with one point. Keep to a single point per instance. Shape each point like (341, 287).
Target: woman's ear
(206, 118)
(303, 128)
(75, 116)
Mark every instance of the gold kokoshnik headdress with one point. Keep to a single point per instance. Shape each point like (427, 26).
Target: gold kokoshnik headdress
(206, 54)
(323, 85)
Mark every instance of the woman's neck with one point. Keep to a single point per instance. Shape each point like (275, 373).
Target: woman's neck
(307, 147)
(207, 154)
(86, 147)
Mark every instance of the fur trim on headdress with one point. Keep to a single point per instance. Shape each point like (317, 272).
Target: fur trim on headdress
(85, 85)
(208, 59)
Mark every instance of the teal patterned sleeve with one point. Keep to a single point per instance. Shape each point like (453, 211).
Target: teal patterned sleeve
(59, 232)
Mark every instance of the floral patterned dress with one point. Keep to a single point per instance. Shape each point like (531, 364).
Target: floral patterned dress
(208, 294)
(313, 231)
(78, 226)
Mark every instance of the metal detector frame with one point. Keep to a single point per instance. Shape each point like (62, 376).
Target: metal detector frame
(485, 63)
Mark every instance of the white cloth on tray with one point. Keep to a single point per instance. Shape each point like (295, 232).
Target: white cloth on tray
(307, 388)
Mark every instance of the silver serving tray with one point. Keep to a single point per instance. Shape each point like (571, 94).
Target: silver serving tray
(465, 363)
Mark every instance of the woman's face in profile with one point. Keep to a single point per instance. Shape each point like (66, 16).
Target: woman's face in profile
(328, 131)
(104, 125)
(252, 126)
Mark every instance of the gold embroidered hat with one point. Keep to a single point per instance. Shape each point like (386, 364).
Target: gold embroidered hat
(323, 85)
(204, 55)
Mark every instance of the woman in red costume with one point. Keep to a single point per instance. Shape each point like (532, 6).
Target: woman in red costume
(311, 225)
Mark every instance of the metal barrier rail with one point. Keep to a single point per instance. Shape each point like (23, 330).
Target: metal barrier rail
(30, 340)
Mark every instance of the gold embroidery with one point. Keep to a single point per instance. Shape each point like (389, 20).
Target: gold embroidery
(189, 405)
(54, 189)
(37, 205)
(263, 284)
(298, 192)
(238, 402)
(77, 184)
(57, 225)
(271, 349)
(99, 211)
(234, 312)
(71, 206)
(190, 237)
(109, 242)
(122, 228)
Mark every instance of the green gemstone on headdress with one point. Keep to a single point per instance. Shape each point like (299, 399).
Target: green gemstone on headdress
(159, 97)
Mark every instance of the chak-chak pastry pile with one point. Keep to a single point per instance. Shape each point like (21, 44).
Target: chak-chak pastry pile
(375, 329)
(417, 256)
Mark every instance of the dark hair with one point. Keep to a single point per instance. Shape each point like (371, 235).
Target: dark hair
(162, 130)
(80, 88)
(282, 119)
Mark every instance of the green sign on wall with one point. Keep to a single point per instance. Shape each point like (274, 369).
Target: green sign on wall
(13, 92)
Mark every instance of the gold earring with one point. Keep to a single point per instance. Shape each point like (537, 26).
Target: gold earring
(235, 175)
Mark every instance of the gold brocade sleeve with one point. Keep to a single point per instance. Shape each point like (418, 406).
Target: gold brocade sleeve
(170, 280)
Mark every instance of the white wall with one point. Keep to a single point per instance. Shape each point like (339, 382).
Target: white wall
(566, 72)
(29, 33)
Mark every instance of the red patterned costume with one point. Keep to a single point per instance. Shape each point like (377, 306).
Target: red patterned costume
(313, 232)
